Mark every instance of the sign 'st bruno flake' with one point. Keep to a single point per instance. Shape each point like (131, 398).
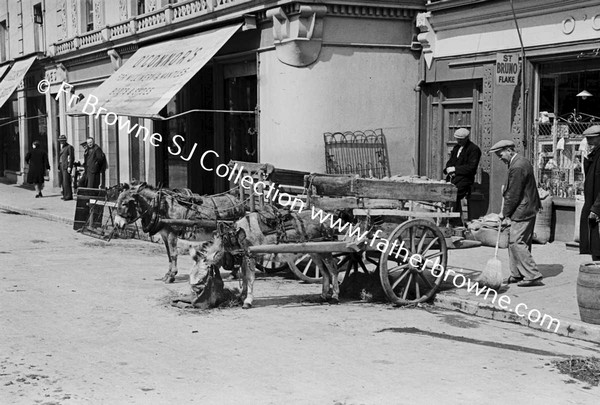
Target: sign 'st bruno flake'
(507, 68)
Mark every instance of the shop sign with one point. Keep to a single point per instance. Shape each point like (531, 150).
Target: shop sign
(507, 69)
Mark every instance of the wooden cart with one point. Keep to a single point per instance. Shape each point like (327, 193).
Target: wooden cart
(411, 215)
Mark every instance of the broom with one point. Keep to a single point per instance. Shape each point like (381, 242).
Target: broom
(491, 276)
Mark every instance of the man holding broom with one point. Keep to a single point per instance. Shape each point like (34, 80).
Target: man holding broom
(521, 204)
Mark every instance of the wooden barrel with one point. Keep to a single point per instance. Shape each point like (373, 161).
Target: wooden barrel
(588, 292)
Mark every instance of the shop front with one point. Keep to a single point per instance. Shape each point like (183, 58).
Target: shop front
(544, 108)
(252, 87)
(23, 117)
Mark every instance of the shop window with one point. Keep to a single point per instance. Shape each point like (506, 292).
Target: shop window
(136, 154)
(10, 158)
(565, 112)
(37, 125)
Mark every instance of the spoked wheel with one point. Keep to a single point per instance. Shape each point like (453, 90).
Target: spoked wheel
(407, 281)
(305, 269)
(362, 262)
(272, 263)
(303, 266)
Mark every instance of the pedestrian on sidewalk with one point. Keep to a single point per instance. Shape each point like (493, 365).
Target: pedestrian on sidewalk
(38, 163)
(95, 164)
(461, 169)
(521, 205)
(65, 167)
(589, 238)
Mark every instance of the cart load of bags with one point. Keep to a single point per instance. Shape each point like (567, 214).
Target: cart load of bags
(485, 229)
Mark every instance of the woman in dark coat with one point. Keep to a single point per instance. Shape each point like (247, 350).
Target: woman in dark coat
(38, 163)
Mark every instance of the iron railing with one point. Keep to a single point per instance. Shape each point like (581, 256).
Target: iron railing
(363, 153)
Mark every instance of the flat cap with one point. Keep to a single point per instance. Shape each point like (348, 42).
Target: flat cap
(461, 133)
(62, 138)
(594, 130)
(505, 143)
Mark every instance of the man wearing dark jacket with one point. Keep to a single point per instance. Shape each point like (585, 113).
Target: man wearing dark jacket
(95, 164)
(521, 205)
(66, 158)
(589, 238)
(462, 166)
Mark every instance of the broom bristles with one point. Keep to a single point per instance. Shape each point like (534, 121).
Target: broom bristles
(491, 276)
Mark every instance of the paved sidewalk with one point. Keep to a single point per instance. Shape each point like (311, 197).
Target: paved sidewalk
(22, 199)
(556, 298)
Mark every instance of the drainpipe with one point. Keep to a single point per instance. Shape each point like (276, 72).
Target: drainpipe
(418, 92)
(523, 91)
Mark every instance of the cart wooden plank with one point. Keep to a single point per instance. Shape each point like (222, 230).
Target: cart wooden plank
(443, 192)
(308, 247)
(406, 213)
(381, 189)
(340, 203)
(204, 223)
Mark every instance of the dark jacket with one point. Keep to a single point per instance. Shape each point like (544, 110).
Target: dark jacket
(94, 160)
(465, 165)
(521, 198)
(591, 193)
(38, 163)
(66, 157)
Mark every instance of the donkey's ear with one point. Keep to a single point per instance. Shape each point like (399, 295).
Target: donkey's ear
(124, 186)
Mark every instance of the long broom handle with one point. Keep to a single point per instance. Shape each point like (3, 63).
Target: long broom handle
(500, 224)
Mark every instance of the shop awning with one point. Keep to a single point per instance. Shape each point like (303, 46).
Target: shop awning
(17, 72)
(154, 75)
(3, 70)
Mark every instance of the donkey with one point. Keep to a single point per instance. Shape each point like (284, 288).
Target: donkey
(154, 205)
(253, 230)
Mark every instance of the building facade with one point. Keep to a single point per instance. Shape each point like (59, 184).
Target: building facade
(278, 75)
(528, 71)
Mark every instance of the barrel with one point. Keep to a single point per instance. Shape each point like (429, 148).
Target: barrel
(588, 292)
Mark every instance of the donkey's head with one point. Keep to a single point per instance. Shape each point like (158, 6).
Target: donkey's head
(128, 207)
(228, 241)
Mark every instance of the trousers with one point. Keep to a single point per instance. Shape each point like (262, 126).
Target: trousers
(64, 181)
(520, 238)
(461, 194)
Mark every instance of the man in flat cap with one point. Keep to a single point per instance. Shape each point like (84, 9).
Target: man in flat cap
(589, 238)
(66, 158)
(521, 205)
(462, 166)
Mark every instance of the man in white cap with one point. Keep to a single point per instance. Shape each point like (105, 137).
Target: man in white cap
(462, 166)
(589, 238)
(521, 205)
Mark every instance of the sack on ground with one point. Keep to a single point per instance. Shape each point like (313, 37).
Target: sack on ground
(485, 230)
(543, 220)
